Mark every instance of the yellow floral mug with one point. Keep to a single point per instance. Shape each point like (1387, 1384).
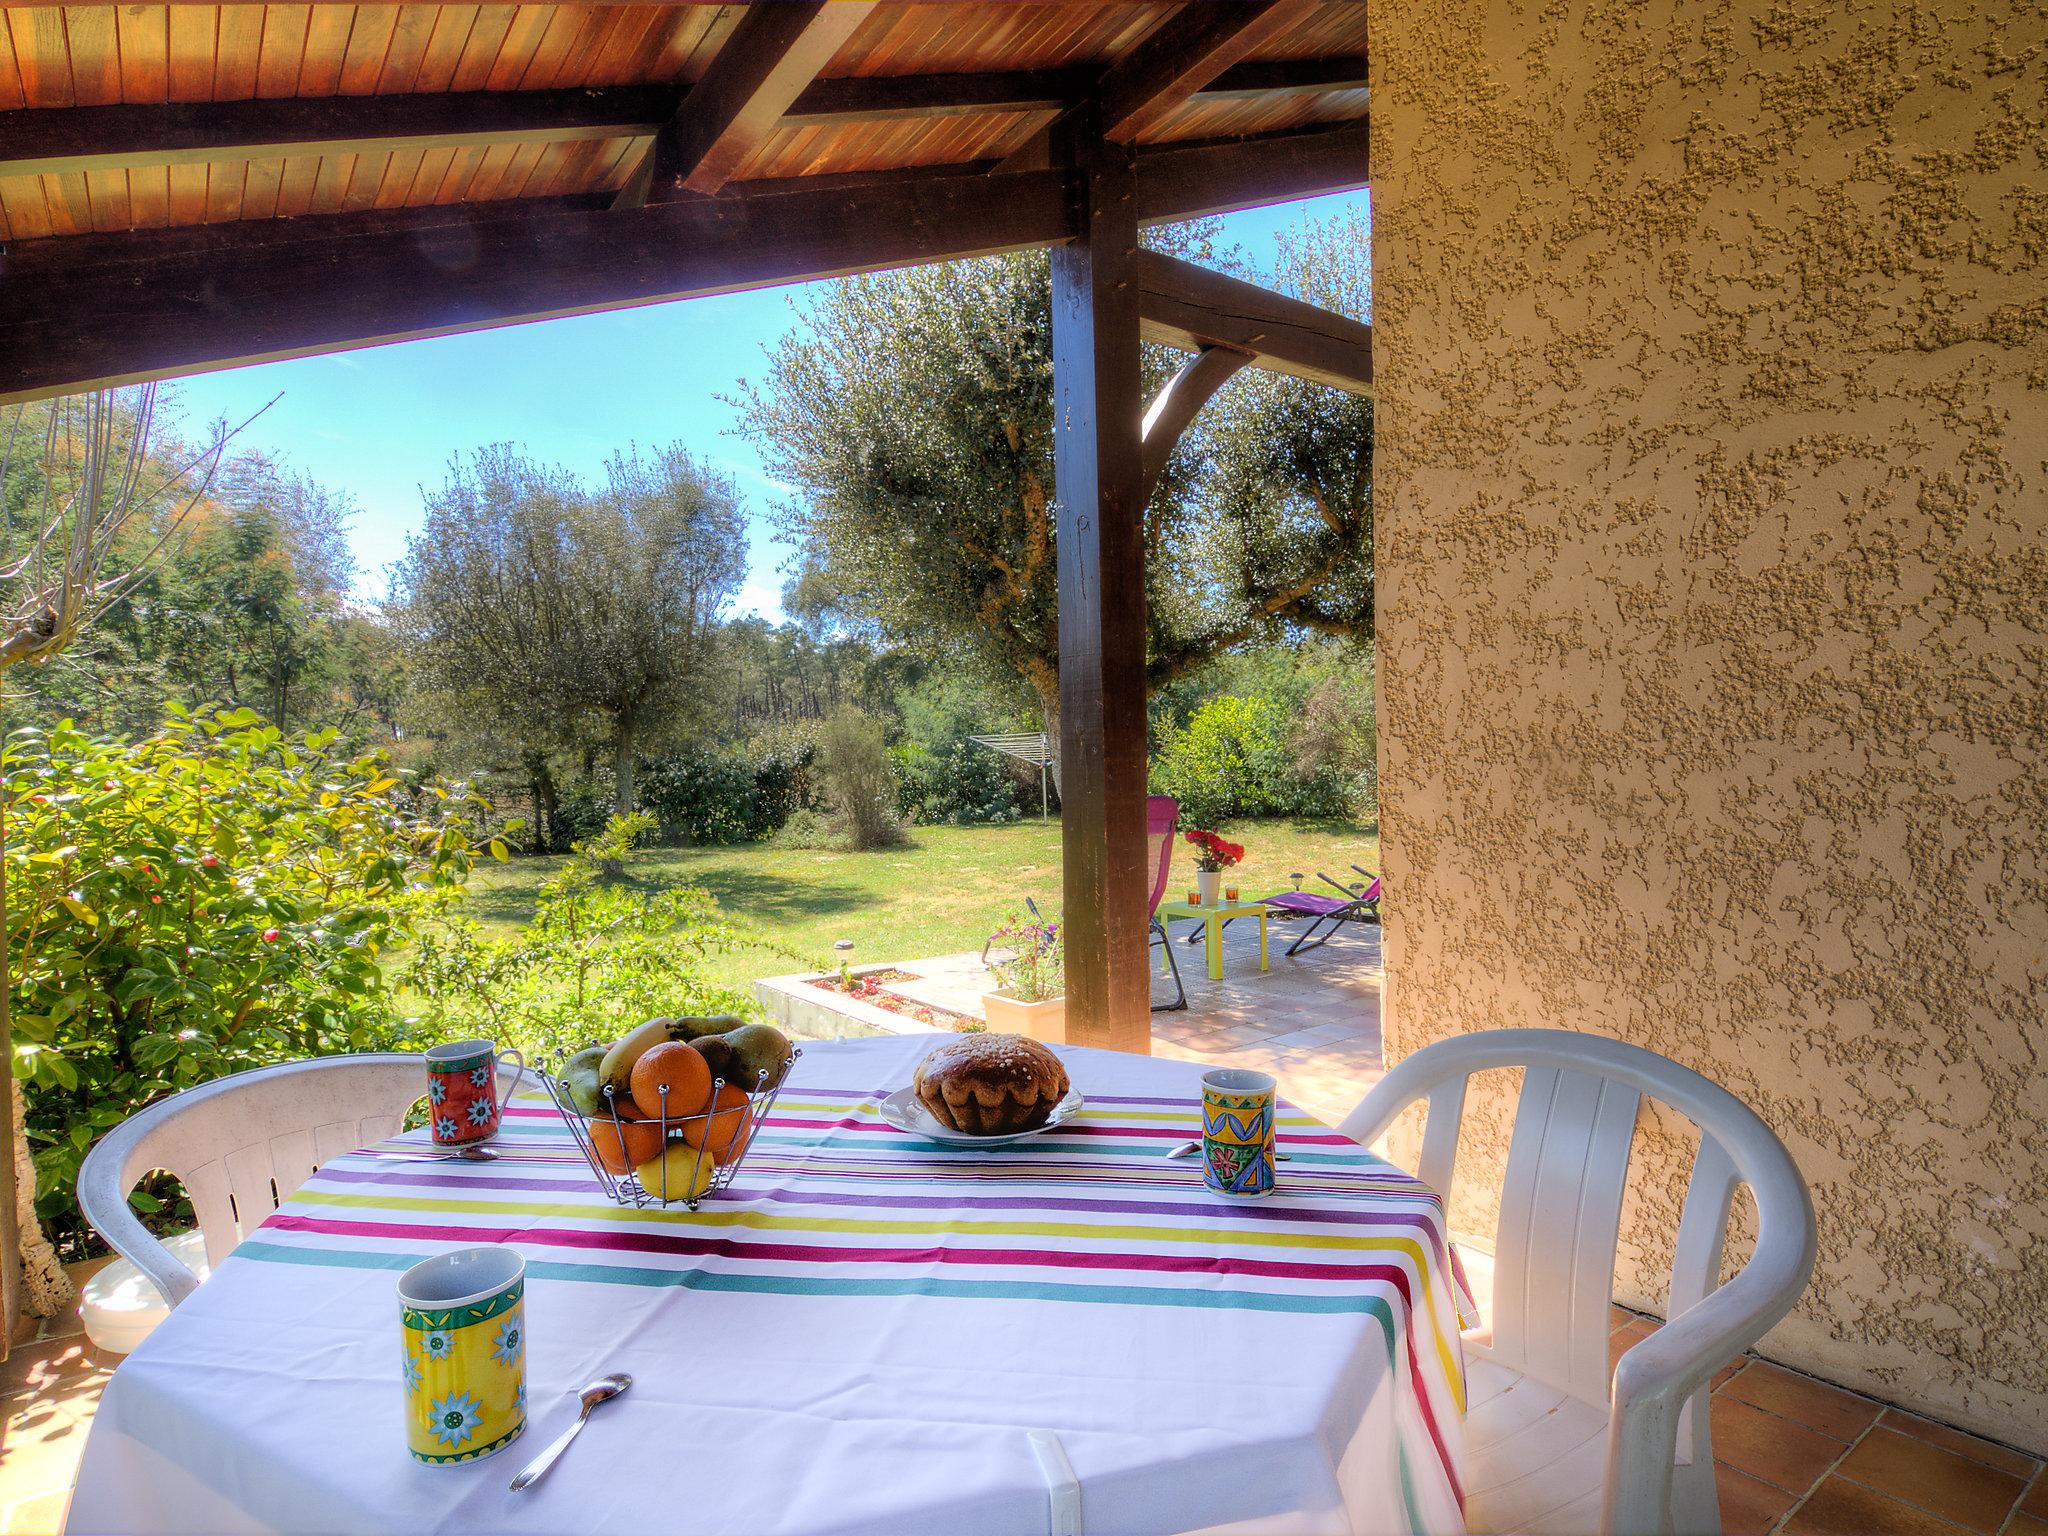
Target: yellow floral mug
(464, 1327)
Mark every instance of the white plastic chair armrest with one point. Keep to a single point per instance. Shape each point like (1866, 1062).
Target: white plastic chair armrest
(103, 1185)
(1656, 1376)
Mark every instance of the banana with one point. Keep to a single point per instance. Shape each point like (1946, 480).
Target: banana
(616, 1070)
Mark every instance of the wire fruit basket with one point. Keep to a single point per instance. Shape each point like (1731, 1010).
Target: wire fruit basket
(683, 1178)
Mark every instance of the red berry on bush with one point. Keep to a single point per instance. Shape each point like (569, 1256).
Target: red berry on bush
(156, 901)
(270, 935)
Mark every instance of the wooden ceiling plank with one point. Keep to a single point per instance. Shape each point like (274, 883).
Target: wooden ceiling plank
(283, 53)
(95, 54)
(410, 34)
(132, 306)
(191, 31)
(260, 188)
(238, 46)
(11, 95)
(149, 196)
(369, 40)
(1194, 308)
(445, 44)
(295, 187)
(773, 53)
(143, 33)
(327, 34)
(42, 58)
(480, 50)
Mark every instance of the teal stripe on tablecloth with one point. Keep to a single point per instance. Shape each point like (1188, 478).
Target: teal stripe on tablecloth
(822, 1285)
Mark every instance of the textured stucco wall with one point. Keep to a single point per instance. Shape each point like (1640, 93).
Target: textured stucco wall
(1712, 347)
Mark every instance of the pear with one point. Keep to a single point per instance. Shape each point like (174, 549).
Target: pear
(757, 1048)
(696, 1028)
(616, 1071)
(581, 1082)
(718, 1055)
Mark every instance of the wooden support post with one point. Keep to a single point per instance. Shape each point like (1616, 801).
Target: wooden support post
(1097, 404)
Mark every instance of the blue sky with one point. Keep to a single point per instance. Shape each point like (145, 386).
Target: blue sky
(382, 422)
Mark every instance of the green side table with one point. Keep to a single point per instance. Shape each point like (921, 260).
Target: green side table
(1213, 919)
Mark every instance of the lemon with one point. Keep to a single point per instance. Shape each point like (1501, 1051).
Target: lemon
(682, 1172)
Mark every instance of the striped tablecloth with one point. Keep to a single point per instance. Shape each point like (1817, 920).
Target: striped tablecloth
(859, 1340)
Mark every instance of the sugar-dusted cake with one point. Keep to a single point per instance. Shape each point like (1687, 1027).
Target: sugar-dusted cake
(991, 1085)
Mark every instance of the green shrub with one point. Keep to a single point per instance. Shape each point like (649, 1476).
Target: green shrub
(962, 785)
(805, 830)
(853, 767)
(731, 799)
(208, 899)
(599, 956)
(1231, 759)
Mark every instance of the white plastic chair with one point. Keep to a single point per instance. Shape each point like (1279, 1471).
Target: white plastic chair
(1551, 1448)
(240, 1145)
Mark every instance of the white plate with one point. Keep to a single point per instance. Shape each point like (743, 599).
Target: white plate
(903, 1110)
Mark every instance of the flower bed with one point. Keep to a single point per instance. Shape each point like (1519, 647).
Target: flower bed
(871, 987)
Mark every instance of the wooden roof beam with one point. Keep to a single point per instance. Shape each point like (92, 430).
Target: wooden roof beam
(1187, 53)
(40, 141)
(773, 53)
(1191, 307)
(78, 311)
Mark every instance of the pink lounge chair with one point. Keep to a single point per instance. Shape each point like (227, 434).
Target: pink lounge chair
(1359, 904)
(1162, 815)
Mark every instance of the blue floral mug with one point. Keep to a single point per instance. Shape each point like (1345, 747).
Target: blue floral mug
(464, 1328)
(462, 1091)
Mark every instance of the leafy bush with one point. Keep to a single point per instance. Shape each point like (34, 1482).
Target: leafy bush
(211, 898)
(1336, 742)
(963, 785)
(804, 830)
(1231, 759)
(599, 956)
(853, 767)
(732, 799)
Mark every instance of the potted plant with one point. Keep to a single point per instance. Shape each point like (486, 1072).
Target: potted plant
(1031, 994)
(1212, 856)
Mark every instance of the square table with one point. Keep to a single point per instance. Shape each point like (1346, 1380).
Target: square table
(870, 1334)
(1213, 917)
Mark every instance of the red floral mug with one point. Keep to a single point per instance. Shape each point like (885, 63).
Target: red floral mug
(462, 1091)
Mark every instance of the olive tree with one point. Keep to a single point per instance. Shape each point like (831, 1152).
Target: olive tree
(912, 413)
(541, 604)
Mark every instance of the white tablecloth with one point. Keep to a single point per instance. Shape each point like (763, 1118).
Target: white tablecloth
(858, 1341)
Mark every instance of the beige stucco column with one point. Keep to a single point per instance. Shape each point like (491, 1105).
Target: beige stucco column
(1712, 348)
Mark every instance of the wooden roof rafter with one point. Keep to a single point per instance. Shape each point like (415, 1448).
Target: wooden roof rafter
(50, 141)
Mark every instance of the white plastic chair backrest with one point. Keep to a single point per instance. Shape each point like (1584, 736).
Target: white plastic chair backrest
(241, 1145)
(1560, 1220)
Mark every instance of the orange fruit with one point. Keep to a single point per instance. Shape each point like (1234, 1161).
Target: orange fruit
(724, 1132)
(623, 1145)
(682, 1071)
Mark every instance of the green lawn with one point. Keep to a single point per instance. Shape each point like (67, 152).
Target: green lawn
(944, 891)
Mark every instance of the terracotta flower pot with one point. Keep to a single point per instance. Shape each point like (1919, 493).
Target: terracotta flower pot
(1046, 1021)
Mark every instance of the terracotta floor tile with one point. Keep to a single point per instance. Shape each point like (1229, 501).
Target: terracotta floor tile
(2027, 1525)
(1765, 1446)
(1954, 1487)
(2036, 1501)
(1839, 1507)
(1748, 1507)
(1622, 1339)
(37, 1517)
(2018, 1463)
(1803, 1400)
(1729, 1372)
(35, 1367)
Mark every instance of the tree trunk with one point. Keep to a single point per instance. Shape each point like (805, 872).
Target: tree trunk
(622, 765)
(546, 800)
(1045, 682)
(32, 1279)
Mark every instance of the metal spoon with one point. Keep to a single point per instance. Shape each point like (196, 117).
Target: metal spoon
(601, 1390)
(466, 1155)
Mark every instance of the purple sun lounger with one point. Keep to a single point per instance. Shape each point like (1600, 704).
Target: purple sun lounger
(1356, 905)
